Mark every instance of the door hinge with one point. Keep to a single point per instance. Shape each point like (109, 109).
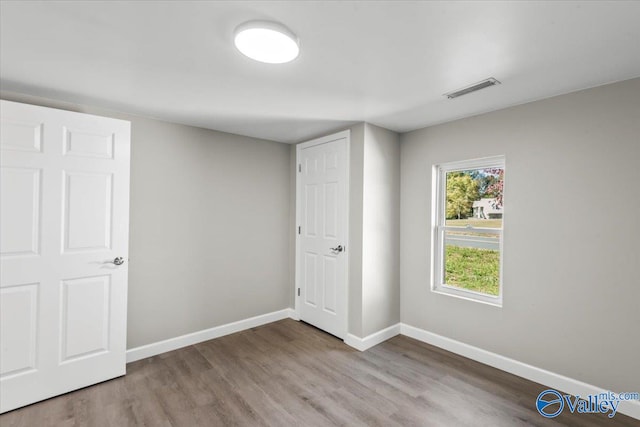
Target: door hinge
(298, 291)
(300, 167)
(299, 228)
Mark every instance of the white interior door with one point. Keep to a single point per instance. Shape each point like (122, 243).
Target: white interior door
(322, 212)
(64, 214)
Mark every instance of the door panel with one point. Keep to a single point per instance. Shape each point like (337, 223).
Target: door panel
(21, 136)
(20, 211)
(85, 317)
(87, 200)
(331, 206)
(322, 215)
(330, 277)
(64, 194)
(85, 143)
(18, 314)
(311, 198)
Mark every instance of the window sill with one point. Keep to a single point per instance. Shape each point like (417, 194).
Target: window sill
(468, 295)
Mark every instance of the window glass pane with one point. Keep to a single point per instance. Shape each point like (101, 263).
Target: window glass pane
(472, 261)
(474, 198)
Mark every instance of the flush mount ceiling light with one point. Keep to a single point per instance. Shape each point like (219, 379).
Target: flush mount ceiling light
(266, 41)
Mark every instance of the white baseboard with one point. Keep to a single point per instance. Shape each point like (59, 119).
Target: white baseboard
(374, 339)
(153, 349)
(547, 378)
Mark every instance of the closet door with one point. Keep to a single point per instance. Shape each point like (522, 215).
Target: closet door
(323, 206)
(64, 224)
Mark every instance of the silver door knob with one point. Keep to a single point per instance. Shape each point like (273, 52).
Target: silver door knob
(337, 249)
(118, 260)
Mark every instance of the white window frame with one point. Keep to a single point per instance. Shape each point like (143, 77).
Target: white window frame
(439, 227)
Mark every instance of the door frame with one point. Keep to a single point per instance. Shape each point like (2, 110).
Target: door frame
(346, 134)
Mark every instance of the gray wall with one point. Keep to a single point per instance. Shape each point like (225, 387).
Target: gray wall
(571, 239)
(381, 230)
(209, 226)
(356, 170)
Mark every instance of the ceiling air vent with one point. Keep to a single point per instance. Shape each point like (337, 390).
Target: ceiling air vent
(474, 87)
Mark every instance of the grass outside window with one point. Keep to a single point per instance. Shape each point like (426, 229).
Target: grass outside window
(473, 269)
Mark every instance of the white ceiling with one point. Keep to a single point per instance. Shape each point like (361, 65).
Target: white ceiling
(387, 63)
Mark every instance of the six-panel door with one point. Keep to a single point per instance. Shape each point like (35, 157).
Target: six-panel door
(64, 201)
(322, 261)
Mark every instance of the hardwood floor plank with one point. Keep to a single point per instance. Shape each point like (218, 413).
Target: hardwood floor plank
(288, 373)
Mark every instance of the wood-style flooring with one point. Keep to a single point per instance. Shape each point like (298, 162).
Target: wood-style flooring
(288, 373)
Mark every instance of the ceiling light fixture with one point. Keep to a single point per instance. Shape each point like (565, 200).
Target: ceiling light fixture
(474, 87)
(266, 41)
